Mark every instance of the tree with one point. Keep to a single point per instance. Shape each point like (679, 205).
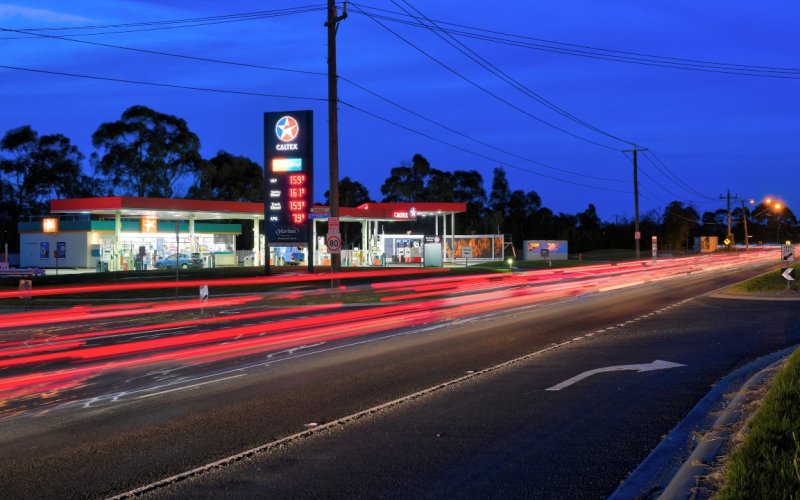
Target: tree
(406, 183)
(522, 209)
(146, 152)
(467, 187)
(228, 177)
(679, 219)
(440, 186)
(40, 168)
(351, 193)
(588, 235)
(499, 199)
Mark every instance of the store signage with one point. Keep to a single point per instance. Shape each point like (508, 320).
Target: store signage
(149, 225)
(50, 225)
(409, 214)
(288, 160)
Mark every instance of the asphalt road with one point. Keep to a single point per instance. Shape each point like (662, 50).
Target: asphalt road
(499, 434)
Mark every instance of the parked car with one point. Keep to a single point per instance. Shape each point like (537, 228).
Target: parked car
(185, 261)
(295, 259)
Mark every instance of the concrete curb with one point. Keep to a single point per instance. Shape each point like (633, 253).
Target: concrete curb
(671, 469)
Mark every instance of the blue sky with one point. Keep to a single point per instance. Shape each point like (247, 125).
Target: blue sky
(707, 131)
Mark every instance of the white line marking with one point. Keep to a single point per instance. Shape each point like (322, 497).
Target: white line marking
(191, 386)
(646, 367)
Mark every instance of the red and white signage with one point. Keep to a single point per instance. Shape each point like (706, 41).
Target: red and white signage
(334, 243)
(333, 225)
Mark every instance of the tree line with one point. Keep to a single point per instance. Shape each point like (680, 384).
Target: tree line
(149, 154)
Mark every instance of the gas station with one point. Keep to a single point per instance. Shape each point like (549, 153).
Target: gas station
(120, 233)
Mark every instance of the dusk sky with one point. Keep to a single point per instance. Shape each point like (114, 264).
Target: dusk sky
(710, 88)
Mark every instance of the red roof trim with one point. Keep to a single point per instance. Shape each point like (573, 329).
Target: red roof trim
(113, 203)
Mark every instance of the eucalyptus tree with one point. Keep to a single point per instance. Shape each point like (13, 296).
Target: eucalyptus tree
(146, 153)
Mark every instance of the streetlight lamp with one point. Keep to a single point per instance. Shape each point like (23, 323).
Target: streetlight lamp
(775, 206)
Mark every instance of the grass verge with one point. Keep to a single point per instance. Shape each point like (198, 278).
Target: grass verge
(767, 464)
(770, 282)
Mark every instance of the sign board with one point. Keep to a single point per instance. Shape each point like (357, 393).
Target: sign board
(433, 251)
(61, 250)
(556, 249)
(333, 225)
(788, 274)
(637, 235)
(288, 176)
(787, 253)
(466, 252)
(410, 214)
(334, 243)
(654, 243)
(726, 241)
(204, 293)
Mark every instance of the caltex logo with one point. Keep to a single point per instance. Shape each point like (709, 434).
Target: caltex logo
(287, 129)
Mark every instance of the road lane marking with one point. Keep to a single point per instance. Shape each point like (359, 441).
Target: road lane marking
(191, 386)
(370, 411)
(646, 367)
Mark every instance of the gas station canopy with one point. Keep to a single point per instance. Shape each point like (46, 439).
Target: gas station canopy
(181, 209)
(163, 208)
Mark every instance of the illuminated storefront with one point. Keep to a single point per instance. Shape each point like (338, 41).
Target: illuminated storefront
(127, 233)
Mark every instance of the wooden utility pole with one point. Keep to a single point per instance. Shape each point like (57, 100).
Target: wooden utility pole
(333, 119)
(729, 236)
(637, 235)
(746, 237)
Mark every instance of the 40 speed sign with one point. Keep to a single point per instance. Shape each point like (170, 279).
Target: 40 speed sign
(334, 243)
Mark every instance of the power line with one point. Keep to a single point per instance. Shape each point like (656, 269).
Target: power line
(315, 73)
(481, 88)
(157, 84)
(474, 153)
(630, 57)
(481, 61)
(669, 173)
(175, 23)
(167, 54)
(466, 136)
(672, 177)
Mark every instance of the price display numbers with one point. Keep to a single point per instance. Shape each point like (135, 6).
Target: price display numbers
(297, 198)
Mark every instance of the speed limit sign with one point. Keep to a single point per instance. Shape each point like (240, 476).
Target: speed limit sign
(334, 243)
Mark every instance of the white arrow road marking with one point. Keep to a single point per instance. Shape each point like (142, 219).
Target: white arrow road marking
(647, 367)
(788, 274)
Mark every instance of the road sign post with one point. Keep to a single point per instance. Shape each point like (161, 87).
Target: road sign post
(203, 297)
(333, 225)
(25, 291)
(654, 243)
(334, 243)
(787, 256)
(466, 252)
